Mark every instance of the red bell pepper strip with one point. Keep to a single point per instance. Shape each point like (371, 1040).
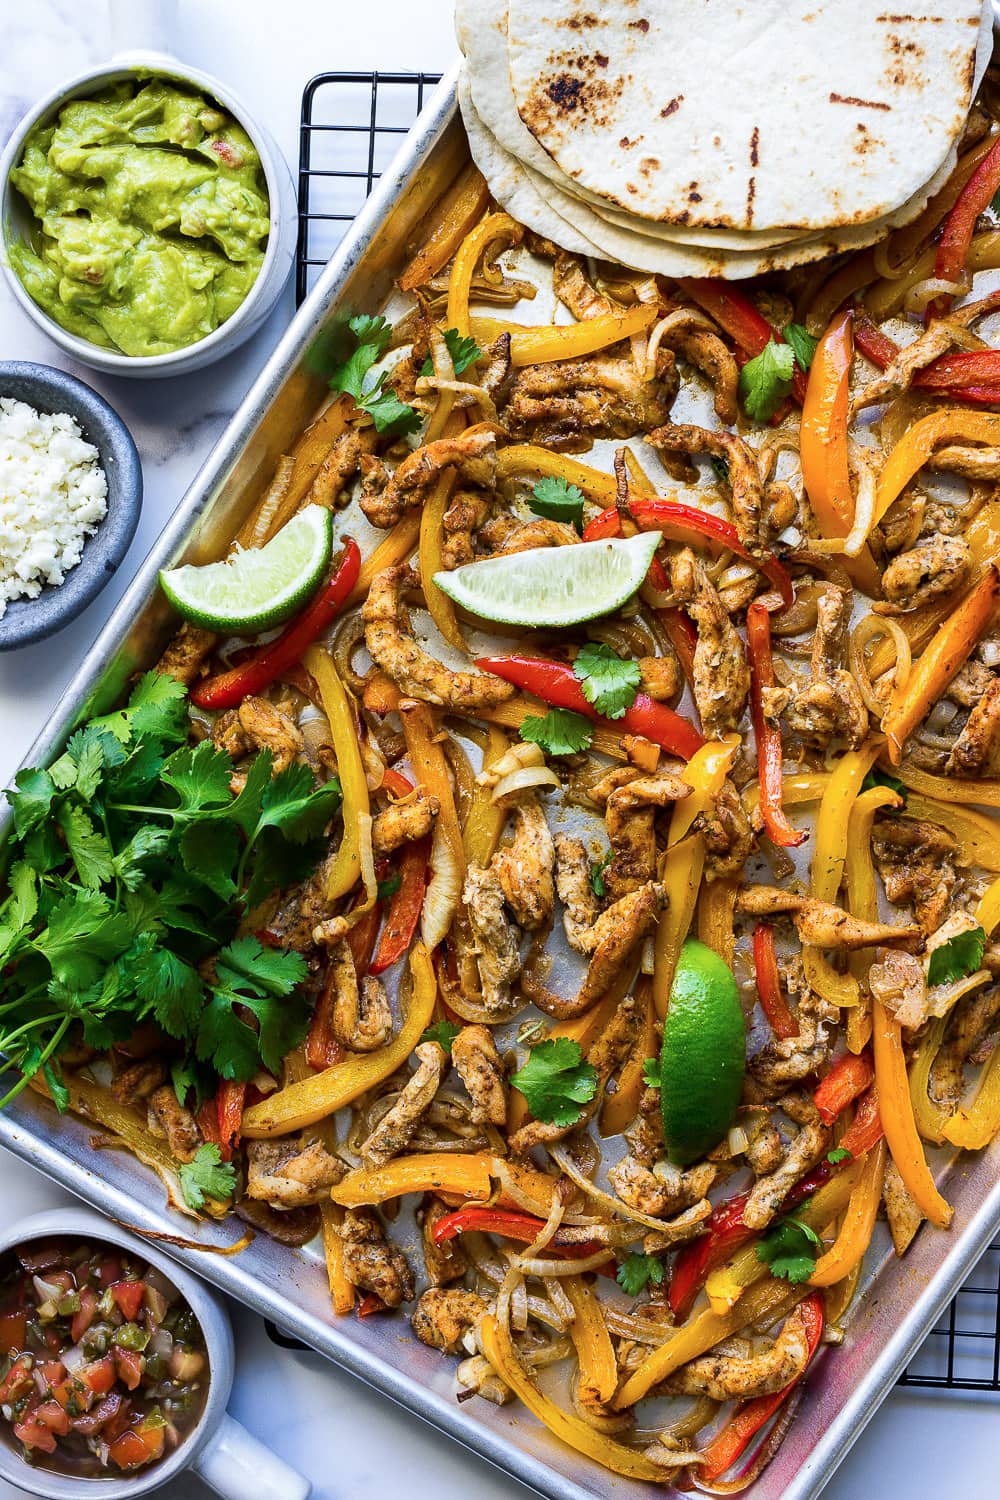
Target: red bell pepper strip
(404, 907)
(865, 1130)
(322, 1049)
(725, 1233)
(772, 999)
(683, 637)
(555, 683)
(394, 781)
(371, 1303)
(726, 1447)
(230, 1097)
(510, 1224)
(956, 236)
(688, 523)
(734, 312)
(766, 732)
(968, 375)
(228, 689)
(850, 1076)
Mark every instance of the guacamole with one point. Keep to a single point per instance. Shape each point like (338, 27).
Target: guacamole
(152, 217)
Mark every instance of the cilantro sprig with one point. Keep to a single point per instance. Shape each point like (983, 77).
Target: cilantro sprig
(608, 682)
(559, 732)
(442, 1032)
(959, 956)
(372, 337)
(556, 1081)
(207, 1176)
(557, 500)
(766, 380)
(789, 1249)
(802, 343)
(636, 1272)
(597, 882)
(464, 352)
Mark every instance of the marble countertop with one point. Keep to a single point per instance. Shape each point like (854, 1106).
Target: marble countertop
(324, 1421)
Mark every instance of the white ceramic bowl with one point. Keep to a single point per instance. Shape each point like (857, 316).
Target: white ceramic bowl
(150, 20)
(223, 1453)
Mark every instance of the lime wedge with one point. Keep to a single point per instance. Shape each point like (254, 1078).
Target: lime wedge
(553, 586)
(253, 590)
(703, 1055)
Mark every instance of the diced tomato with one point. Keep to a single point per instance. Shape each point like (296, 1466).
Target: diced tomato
(17, 1380)
(13, 1326)
(100, 1418)
(54, 1371)
(52, 1416)
(109, 1270)
(130, 1365)
(128, 1297)
(32, 1433)
(83, 1319)
(139, 1445)
(99, 1377)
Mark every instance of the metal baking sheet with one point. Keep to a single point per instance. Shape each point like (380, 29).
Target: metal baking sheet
(845, 1385)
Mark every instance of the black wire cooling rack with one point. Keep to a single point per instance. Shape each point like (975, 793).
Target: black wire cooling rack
(350, 129)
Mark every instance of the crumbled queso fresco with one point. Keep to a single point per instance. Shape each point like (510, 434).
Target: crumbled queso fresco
(53, 495)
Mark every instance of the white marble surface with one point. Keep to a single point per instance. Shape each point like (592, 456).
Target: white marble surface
(349, 1440)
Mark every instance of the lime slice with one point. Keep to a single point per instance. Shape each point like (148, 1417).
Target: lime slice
(703, 1057)
(553, 586)
(253, 590)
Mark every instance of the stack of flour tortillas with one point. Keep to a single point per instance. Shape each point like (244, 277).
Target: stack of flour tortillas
(717, 137)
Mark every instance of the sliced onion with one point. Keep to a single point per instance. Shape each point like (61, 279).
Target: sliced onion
(868, 630)
(444, 889)
(74, 1357)
(686, 316)
(922, 293)
(47, 1291)
(864, 509)
(681, 1223)
(569, 1267)
(481, 397)
(519, 781)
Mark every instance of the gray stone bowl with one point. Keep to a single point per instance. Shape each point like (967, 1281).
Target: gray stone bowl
(50, 390)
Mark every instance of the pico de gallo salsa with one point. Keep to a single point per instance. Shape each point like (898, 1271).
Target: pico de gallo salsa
(102, 1363)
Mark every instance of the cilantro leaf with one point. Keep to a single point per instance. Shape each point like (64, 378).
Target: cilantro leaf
(560, 732)
(789, 1249)
(389, 413)
(83, 930)
(172, 988)
(839, 1154)
(652, 1075)
(597, 881)
(720, 466)
(294, 804)
(556, 1081)
(608, 682)
(959, 956)
(442, 1032)
(57, 1088)
(200, 777)
(207, 1176)
(766, 380)
(89, 850)
(31, 799)
(637, 1271)
(802, 343)
(387, 888)
(130, 861)
(557, 500)
(464, 352)
(20, 906)
(261, 980)
(372, 337)
(209, 851)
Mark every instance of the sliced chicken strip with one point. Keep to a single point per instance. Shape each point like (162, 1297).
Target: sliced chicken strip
(574, 889)
(396, 1129)
(916, 861)
(371, 1262)
(630, 817)
(721, 673)
(169, 1118)
(480, 1067)
(447, 1261)
(723, 1377)
(524, 866)
(362, 1018)
(927, 571)
(404, 822)
(741, 463)
(494, 940)
(820, 923)
(442, 1317)
(291, 1173)
(386, 497)
(186, 654)
(809, 1145)
(829, 705)
(643, 1190)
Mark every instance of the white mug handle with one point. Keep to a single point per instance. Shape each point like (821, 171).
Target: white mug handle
(238, 1467)
(142, 25)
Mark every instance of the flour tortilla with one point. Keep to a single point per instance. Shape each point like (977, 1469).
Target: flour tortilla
(745, 114)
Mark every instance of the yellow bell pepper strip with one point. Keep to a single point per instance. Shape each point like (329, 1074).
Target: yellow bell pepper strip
(620, 1108)
(916, 446)
(862, 892)
(974, 1127)
(936, 667)
(307, 456)
(929, 1117)
(439, 606)
(855, 1233)
(498, 1347)
(530, 461)
(988, 910)
(684, 861)
(494, 228)
(453, 217)
(393, 549)
(897, 1117)
(977, 835)
(512, 714)
(322, 1094)
(464, 1174)
(341, 1289)
(543, 343)
(767, 734)
(486, 818)
(598, 1369)
(949, 788)
(885, 299)
(430, 768)
(346, 870)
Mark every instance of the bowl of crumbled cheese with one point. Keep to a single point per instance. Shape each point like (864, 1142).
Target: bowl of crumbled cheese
(70, 498)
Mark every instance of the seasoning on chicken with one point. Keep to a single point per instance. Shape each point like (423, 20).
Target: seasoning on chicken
(664, 1192)
(691, 336)
(443, 1317)
(820, 923)
(397, 1128)
(927, 571)
(631, 803)
(916, 861)
(447, 1261)
(362, 1019)
(614, 937)
(721, 673)
(371, 1262)
(480, 1067)
(494, 941)
(976, 751)
(785, 1061)
(829, 706)
(741, 464)
(467, 513)
(340, 466)
(902, 1214)
(727, 834)
(385, 496)
(728, 1377)
(566, 405)
(267, 727)
(808, 1146)
(404, 822)
(580, 905)
(186, 654)
(168, 1117)
(136, 1082)
(524, 866)
(291, 1173)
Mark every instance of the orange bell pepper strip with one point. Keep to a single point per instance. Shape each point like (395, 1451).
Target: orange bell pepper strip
(311, 1099)
(394, 548)
(464, 1173)
(452, 219)
(940, 663)
(498, 1347)
(772, 1000)
(766, 732)
(956, 236)
(597, 1377)
(716, 911)
(727, 1445)
(916, 446)
(897, 1118)
(849, 1077)
(341, 1289)
(855, 1233)
(404, 907)
(447, 857)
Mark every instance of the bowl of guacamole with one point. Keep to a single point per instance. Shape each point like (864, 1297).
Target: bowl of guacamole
(138, 221)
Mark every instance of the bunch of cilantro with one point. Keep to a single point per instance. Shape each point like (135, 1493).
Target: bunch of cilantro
(130, 864)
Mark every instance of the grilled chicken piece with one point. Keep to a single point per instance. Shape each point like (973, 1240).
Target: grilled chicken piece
(916, 862)
(744, 475)
(575, 891)
(304, 908)
(574, 290)
(808, 1147)
(614, 937)
(227, 734)
(442, 1317)
(467, 513)
(979, 464)
(631, 802)
(389, 636)
(371, 1262)
(362, 1019)
(505, 535)
(138, 1080)
(524, 866)
(340, 466)
(903, 1215)
(643, 1190)
(788, 1060)
(566, 405)
(186, 654)
(764, 1148)
(494, 941)
(396, 1129)
(645, 1134)
(267, 727)
(291, 1173)
(727, 834)
(939, 337)
(927, 571)
(660, 677)
(723, 1377)
(721, 674)
(830, 705)
(447, 1261)
(478, 1064)
(692, 337)
(820, 922)
(976, 752)
(404, 822)
(386, 497)
(973, 1020)
(167, 1117)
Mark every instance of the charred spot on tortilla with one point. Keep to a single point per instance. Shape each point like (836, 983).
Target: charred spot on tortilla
(672, 107)
(861, 103)
(642, 25)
